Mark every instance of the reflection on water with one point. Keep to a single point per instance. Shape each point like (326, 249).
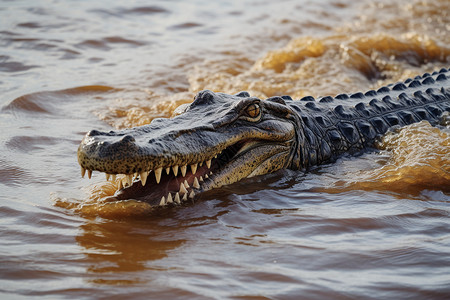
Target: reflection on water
(115, 248)
(371, 226)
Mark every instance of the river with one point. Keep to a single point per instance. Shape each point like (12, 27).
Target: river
(375, 226)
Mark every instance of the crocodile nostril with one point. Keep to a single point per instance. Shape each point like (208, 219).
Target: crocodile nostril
(94, 133)
(128, 139)
(204, 97)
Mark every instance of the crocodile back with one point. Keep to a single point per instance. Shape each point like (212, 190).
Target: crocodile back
(332, 126)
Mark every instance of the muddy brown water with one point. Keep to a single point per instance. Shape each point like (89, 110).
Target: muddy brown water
(374, 226)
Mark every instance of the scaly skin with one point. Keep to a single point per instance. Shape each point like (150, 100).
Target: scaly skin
(220, 139)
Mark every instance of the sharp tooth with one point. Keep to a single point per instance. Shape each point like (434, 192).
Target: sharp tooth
(169, 198)
(83, 171)
(184, 197)
(183, 170)
(191, 195)
(196, 184)
(177, 198)
(89, 174)
(135, 175)
(182, 189)
(200, 164)
(120, 186)
(206, 176)
(163, 201)
(107, 176)
(210, 173)
(208, 163)
(168, 170)
(175, 170)
(143, 177)
(186, 184)
(194, 168)
(113, 177)
(129, 179)
(201, 179)
(215, 156)
(158, 175)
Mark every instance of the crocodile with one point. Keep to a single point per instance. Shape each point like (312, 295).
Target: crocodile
(219, 139)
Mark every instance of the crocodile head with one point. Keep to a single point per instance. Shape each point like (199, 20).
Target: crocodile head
(216, 140)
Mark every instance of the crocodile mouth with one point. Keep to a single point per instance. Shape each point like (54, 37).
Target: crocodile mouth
(173, 185)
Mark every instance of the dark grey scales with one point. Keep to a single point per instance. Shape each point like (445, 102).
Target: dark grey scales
(350, 123)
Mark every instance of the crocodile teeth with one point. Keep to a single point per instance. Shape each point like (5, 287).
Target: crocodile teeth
(208, 164)
(194, 168)
(200, 164)
(183, 170)
(201, 179)
(206, 176)
(129, 179)
(168, 170)
(191, 195)
(177, 198)
(89, 174)
(143, 176)
(184, 197)
(175, 170)
(120, 186)
(163, 201)
(107, 176)
(183, 189)
(158, 174)
(169, 198)
(196, 184)
(83, 171)
(186, 184)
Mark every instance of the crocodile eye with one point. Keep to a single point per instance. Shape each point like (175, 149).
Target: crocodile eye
(253, 110)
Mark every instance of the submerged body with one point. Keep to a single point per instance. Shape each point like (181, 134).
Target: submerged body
(220, 139)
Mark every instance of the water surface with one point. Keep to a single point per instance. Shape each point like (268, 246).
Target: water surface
(374, 226)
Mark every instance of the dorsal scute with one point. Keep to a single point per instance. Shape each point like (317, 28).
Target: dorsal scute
(371, 93)
(345, 112)
(243, 94)
(308, 98)
(277, 99)
(342, 96)
(326, 99)
(390, 103)
(357, 96)
(383, 89)
(414, 83)
(428, 80)
(399, 87)
(441, 77)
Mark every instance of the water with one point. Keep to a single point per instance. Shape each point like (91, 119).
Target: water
(373, 226)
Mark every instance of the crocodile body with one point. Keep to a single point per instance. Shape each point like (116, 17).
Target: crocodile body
(220, 139)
